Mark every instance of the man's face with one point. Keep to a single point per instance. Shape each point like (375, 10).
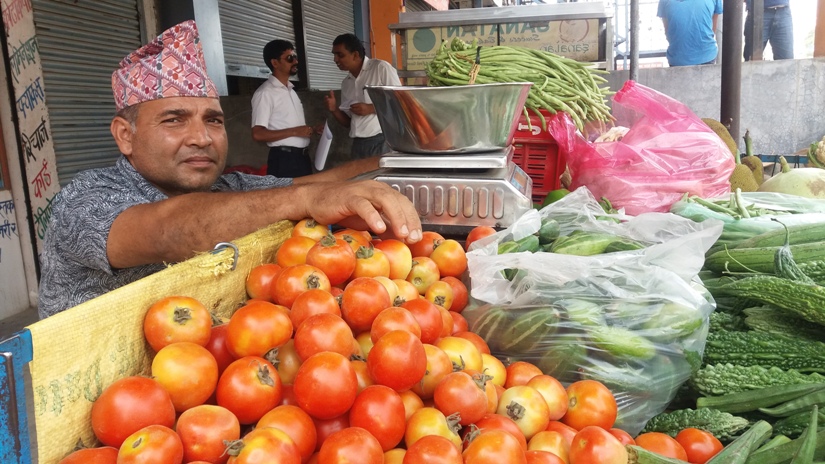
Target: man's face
(179, 143)
(287, 63)
(345, 59)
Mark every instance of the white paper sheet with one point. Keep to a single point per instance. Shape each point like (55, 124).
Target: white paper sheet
(322, 150)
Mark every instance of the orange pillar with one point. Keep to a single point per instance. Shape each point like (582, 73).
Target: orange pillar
(382, 14)
(819, 33)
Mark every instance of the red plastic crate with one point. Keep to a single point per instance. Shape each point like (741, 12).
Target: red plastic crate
(537, 153)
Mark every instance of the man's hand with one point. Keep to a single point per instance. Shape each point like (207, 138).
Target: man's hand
(330, 101)
(362, 205)
(303, 131)
(362, 109)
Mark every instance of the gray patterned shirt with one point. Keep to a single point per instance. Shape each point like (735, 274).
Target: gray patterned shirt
(74, 266)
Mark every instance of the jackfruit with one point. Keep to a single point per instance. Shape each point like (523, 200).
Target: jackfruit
(723, 134)
(742, 178)
(753, 162)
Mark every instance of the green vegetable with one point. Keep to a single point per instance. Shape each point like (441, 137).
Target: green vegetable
(796, 234)
(761, 260)
(773, 442)
(805, 182)
(529, 243)
(804, 300)
(784, 453)
(797, 405)
(624, 244)
(548, 231)
(738, 450)
(622, 343)
(751, 400)
(639, 455)
(583, 243)
(726, 321)
(764, 349)
(773, 320)
(507, 247)
(722, 425)
(723, 379)
(807, 448)
(784, 264)
(794, 425)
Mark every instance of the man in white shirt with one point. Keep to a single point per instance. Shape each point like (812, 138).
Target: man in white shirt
(278, 117)
(356, 110)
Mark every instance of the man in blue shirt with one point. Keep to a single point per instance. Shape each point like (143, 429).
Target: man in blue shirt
(777, 27)
(689, 27)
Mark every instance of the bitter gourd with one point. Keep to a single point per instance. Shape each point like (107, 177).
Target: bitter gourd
(723, 379)
(722, 425)
(764, 349)
(762, 259)
(805, 300)
(793, 426)
(773, 320)
(726, 321)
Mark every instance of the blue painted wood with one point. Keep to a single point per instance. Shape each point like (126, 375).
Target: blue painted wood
(15, 447)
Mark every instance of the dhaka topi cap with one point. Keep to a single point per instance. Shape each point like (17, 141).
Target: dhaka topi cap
(172, 65)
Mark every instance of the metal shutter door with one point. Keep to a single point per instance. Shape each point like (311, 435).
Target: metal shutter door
(81, 43)
(246, 26)
(324, 20)
(418, 5)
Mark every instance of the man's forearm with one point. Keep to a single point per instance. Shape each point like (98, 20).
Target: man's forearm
(342, 172)
(341, 117)
(262, 134)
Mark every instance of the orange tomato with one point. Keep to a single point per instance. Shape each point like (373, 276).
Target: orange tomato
(294, 251)
(700, 445)
(310, 228)
(590, 403)
(662, 443)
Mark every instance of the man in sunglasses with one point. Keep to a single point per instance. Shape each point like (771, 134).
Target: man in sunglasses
(278, 116)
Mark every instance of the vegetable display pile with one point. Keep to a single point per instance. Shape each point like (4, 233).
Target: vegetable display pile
(559, 83)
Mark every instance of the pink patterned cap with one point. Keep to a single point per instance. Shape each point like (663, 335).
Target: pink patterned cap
(170, 66)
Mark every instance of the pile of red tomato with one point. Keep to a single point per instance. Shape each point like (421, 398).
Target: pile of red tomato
(349, 350)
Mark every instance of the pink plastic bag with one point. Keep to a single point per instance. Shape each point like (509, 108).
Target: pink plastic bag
(667, 152)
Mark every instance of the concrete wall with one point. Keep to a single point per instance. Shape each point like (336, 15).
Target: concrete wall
(783, 106)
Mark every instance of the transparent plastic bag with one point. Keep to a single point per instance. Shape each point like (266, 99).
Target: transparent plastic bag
(630, 319)
(667, 152)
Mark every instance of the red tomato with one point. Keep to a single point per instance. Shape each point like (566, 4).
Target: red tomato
(430, 421)
(450, 258)
(217, 346)
(479, 342)
(433, 449)
(371, 262)
(590, 403)
(380, 411)
(267, 445)
(311, 302)
(288, 396)
(101, 455)
(177, 319)
(446, 321)
(406, 291)
(353, 444)
(534, 416)
(249, 388)
(662, 443)
(553, 392)
(188, 372)
(595, 444)
(440, 293)
(203, 430)
(294, 280)
(623, 436)
(462, 352)
(310, 228)
(542, 457)
(399, 256)
(424, 273)
(394, 318)
(520, 372)
(428, 317)
(397, 360)
(326, 385)
(459, 323)
(700, 445)
(151, 445)
(355, 238)
(363, 299)
(477, 233)
(425, 246)
(323, 332)
(497, 421)
(439, 366)
(294, 422)
(288, 362)
(458, 393)
(128, 405)
(259, 281)
(334, 257)
(460, 294)
(257, 328)
(325, 428)
(294, 251)
(552, 442)
(495, 447)
(565, 430)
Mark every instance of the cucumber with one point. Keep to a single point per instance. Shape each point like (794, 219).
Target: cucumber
(582, 243)
(548, 231)
(622, 343)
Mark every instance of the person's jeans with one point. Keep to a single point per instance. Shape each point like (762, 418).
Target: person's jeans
(777, 28)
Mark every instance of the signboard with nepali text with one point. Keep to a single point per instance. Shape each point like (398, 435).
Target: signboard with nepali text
(577, 38)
